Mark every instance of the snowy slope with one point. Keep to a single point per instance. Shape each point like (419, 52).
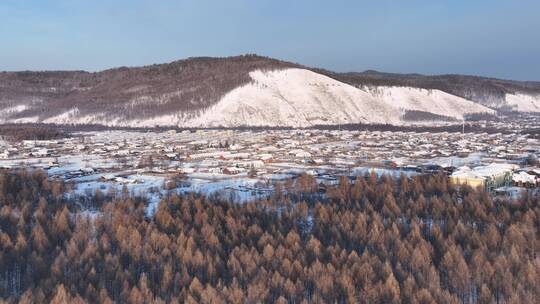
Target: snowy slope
(291, 97)
(433, 101)
(10, 110)
(523, 102)
(298, 98)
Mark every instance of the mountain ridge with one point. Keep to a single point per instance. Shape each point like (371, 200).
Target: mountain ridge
(179, 92)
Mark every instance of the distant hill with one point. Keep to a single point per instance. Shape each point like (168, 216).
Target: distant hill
(250, 90)
(490, 92)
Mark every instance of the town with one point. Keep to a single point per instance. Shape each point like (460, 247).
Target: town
(241, 165)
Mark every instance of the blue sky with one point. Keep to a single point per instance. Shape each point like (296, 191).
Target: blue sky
(499, 38)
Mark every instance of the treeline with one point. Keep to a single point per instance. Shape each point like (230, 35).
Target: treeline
(374, 240)
(482, 117)
(413, 115)
(470, 127)
(18, 132)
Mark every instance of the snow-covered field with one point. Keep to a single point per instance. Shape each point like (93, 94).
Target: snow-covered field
(152, 188)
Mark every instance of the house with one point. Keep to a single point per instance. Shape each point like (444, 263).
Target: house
(487, 177)
(300, 153)
(209, 155)
(265, 157)
(233, 170)
(250, 164)
(121, 153)
(4, 155)
(41, 152)
(186, 170)
(512, 192)
(524, 179)
(171, 155)
(235, 156)
(87, 170)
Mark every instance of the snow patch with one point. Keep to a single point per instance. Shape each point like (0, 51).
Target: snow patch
(523, 102)
(432, 101)
(64, 118)
(297, 98)
(5, 113)
(301, 98)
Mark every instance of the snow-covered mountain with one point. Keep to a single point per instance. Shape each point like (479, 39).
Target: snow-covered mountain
(230, 92)
(300, 98)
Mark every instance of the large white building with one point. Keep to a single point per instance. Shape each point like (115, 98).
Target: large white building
(488, 177)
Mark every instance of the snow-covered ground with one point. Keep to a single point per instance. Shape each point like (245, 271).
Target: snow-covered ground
(147, 186)
(432, 101)
(64, 118)
(524, 102)
(396, 173)
(151, 187)
(298, 98)
(6, 112)
(77, 162)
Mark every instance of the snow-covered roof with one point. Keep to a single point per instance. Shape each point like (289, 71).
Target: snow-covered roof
(483, 172)
(524, 177)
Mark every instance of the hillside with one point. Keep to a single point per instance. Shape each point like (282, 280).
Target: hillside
(490, 92)
(248, 90)
(125, 93)
(300, 98)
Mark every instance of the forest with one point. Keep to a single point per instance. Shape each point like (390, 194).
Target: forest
(17, 132)
(371, 240)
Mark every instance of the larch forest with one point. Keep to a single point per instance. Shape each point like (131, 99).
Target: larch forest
(371, 240)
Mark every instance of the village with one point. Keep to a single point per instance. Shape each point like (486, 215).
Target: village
(242, 164)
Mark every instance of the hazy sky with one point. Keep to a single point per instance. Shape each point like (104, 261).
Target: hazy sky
(499, 38)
